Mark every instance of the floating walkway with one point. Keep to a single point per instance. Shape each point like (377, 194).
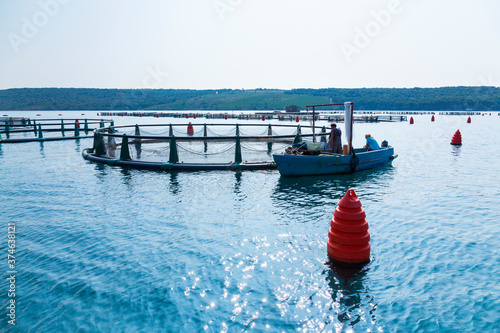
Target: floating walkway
(25, 125)
(263, 115)
(177, 166)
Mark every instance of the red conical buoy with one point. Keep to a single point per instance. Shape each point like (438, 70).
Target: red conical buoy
(432, 118)
(348, 237)
(190, 129)
(468, 120)
(411, 120)
(225, 116)
(263, 117)
(297, 119)
(457, 138)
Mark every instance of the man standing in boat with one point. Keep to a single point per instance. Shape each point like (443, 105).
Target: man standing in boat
(335, 143)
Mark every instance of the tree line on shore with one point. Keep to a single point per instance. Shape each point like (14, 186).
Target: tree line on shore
(481, 98)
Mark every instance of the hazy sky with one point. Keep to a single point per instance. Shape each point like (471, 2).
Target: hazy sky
(211, 44)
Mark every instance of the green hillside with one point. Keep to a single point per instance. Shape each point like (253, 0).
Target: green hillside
(430, 99)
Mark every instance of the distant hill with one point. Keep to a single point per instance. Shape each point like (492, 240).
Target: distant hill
(428, 99)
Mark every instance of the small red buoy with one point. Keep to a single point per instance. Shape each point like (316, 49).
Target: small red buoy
(187, 115)
(411, 120)
(457, 138)
(194, 116)
(432, 118)
(97, 113)
(122, 114)
(348, 237)
(297, 119)
(190, 129)
(76, 121)
(468, 120)
(225, 116)
(263, 117)
(157, 115)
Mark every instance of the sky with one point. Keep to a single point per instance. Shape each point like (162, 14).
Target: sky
(247, 44)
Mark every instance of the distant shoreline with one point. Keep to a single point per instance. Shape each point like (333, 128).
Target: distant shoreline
(478, 99)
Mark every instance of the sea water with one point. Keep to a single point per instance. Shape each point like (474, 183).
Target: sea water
(104, 249)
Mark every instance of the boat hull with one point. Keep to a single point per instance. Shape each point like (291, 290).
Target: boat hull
(309, 165)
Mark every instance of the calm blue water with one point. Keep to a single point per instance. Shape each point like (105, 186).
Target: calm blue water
(102, 249)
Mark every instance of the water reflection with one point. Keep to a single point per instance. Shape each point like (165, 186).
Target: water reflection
(311, 190)
(42, 152)
(455, 150)
(78, 146)
(350, 297)
(127, 178)
(174, 183)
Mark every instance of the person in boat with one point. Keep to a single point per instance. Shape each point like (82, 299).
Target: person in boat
(335, 143)
(371, 143)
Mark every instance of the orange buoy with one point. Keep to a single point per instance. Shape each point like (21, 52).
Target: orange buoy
(411, 120)
(432, 118)
(225, 116)
(190, 129)
(263, 117)
(348, 237)
(297, 119)
(457, 138)
(468, 120)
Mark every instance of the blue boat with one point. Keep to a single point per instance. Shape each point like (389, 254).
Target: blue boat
(321, 162)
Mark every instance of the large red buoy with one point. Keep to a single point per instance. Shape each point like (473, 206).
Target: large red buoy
(348, 237)
(432, 118)
(468, 120)
(190, 129)
(297, 119)
(457, 138)
(411, 120)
